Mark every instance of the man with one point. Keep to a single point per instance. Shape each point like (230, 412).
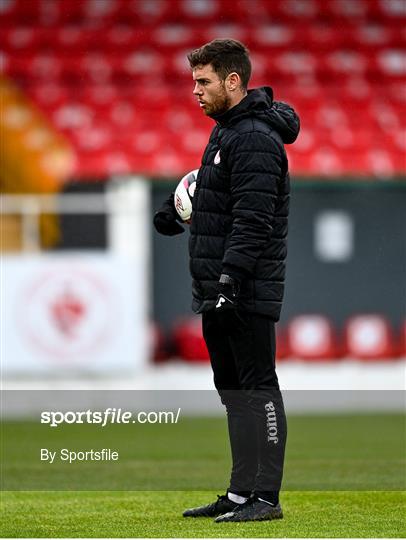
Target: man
(237, 259)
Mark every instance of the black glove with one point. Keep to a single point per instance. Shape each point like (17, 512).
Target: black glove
(228, 315)
(166, 219)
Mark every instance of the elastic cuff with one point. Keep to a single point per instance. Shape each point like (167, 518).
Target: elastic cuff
(234, 272)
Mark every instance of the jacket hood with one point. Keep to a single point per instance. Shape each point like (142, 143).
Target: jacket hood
(259, 102)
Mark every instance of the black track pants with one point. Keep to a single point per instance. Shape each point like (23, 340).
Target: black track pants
(244, 374)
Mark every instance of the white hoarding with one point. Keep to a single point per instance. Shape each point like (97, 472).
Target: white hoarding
(73, 313)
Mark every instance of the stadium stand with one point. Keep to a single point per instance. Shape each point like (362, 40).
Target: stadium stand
(112, 76)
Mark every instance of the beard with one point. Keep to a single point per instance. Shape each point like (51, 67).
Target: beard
(220, 104)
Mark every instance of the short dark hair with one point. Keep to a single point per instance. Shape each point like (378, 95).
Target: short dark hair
(225, 56)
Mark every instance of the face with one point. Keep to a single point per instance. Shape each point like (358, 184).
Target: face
(210, 90)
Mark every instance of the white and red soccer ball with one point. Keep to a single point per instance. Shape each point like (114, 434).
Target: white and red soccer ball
(184, 194)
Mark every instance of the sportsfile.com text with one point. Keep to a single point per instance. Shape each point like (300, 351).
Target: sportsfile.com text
(111, 415)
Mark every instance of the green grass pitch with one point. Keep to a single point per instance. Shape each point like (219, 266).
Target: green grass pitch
(344, 477)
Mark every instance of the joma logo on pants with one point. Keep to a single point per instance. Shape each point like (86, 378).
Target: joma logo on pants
(271, 424)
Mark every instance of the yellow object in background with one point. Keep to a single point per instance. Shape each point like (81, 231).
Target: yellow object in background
(34, 159)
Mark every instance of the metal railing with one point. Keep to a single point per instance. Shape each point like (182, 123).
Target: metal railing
(120, 202)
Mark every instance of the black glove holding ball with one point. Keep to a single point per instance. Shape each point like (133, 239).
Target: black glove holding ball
(178, 207)
(167, 220)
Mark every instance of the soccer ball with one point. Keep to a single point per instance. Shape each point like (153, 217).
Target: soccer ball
(184, 194)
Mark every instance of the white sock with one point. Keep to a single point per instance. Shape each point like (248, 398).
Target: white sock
(267, 502)
(236, 498)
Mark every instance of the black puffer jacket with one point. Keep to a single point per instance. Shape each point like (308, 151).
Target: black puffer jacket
(241, 205)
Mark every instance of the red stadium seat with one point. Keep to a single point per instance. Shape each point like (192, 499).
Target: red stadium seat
(373, 35)
(392, 9)
(148, 62)
(303, 10)
(73, 116)
(369, 337)
(15, 12)
(145, 12)
(49, 95)
(93, 138)
(123, 37)
(327, 161)
(311, 337)
(43, 66)
(188, 341)
(173, 35)
(202, 10)
(349, 10)
(20, 39)
(274, 35)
